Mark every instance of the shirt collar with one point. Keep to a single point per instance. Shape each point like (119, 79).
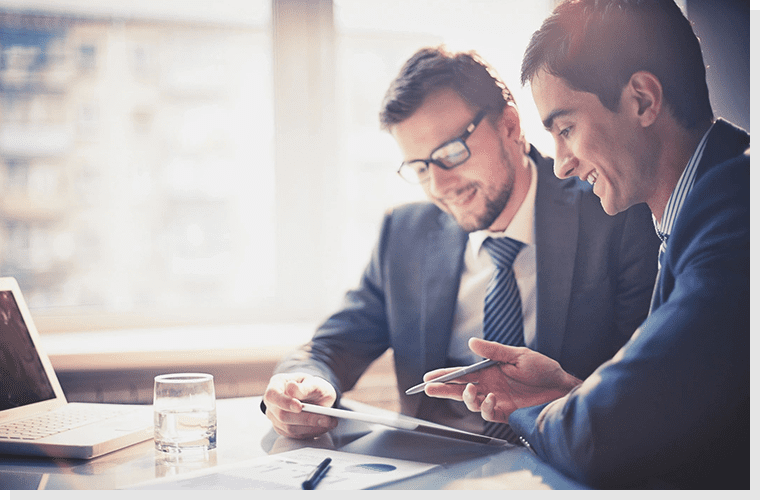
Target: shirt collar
(521, 227)
(680, 193)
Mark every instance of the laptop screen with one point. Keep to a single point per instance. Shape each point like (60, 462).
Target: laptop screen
(23, 379)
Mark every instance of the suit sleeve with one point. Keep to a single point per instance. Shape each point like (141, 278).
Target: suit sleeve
(349, 340)
(673, 403)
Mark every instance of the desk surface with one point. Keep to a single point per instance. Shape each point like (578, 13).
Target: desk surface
(244, 433)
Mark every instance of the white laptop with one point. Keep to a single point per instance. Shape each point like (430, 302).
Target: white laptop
(35, 418)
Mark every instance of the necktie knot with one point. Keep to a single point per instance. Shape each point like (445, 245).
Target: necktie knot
(503, 251)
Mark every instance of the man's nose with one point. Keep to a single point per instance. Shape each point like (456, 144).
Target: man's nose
(565, 163)
(440, 180)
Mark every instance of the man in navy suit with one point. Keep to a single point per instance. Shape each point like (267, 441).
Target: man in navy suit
(620, 85)
(585, 279)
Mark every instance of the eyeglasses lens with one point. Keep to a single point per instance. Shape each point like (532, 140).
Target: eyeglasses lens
(451, 154)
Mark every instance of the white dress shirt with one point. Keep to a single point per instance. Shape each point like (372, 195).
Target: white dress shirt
(477, 271)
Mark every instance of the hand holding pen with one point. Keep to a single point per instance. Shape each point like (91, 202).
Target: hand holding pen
(482, 365)
(521, 378)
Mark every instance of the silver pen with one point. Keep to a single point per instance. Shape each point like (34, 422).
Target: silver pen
(481, 365)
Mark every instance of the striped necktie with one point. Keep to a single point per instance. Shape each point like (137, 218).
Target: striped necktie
(502, 315)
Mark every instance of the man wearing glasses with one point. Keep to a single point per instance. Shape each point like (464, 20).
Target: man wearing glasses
(583, 279)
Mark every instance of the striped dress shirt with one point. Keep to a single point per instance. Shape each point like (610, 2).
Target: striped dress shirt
(678, 197)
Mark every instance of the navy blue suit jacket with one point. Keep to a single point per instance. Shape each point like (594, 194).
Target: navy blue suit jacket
(595, 279)
(672, 407)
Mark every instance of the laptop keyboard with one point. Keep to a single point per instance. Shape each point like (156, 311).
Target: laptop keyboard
(57, 421)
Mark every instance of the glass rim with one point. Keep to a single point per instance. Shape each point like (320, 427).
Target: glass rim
(183, 377)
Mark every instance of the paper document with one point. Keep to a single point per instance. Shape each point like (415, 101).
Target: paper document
(286, 471)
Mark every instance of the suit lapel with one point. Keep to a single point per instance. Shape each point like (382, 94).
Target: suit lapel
(443, 269)
(725, 141)
(556, 226)
(444, 246)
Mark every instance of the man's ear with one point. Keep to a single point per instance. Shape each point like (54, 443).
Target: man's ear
(644, 95)
(509, 123)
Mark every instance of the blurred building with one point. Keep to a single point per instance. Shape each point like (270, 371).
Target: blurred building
(126, 171)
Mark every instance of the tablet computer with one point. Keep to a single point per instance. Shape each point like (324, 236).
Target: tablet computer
(403, 422)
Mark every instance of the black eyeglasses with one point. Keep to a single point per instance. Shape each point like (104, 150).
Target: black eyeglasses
(449, 155)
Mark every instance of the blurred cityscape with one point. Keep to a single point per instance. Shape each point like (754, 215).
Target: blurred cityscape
(159, 162)
(126, 171)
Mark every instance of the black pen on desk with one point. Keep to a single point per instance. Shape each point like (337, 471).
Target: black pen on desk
(316, 475)
(481, 365)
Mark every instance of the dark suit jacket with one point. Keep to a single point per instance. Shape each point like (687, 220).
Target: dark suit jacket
(673, 404)
(595, 278)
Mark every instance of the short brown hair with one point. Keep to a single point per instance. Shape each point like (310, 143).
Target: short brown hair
(434, 68)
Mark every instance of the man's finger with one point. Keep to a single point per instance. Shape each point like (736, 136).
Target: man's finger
(440, 372)
(494, 350)
(471, 398)
(449, 391)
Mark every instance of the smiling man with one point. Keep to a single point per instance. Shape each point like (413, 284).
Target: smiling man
(487, 192)
(621, 153)
(579, 284)
(620, 85)
(603, 147)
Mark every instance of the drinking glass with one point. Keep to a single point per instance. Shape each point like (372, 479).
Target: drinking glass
(184, 412)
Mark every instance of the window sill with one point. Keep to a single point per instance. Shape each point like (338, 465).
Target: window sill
(169, 348)
(118, 366)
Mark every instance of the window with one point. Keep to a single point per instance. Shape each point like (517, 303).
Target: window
(136, 158)
(167, 162)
